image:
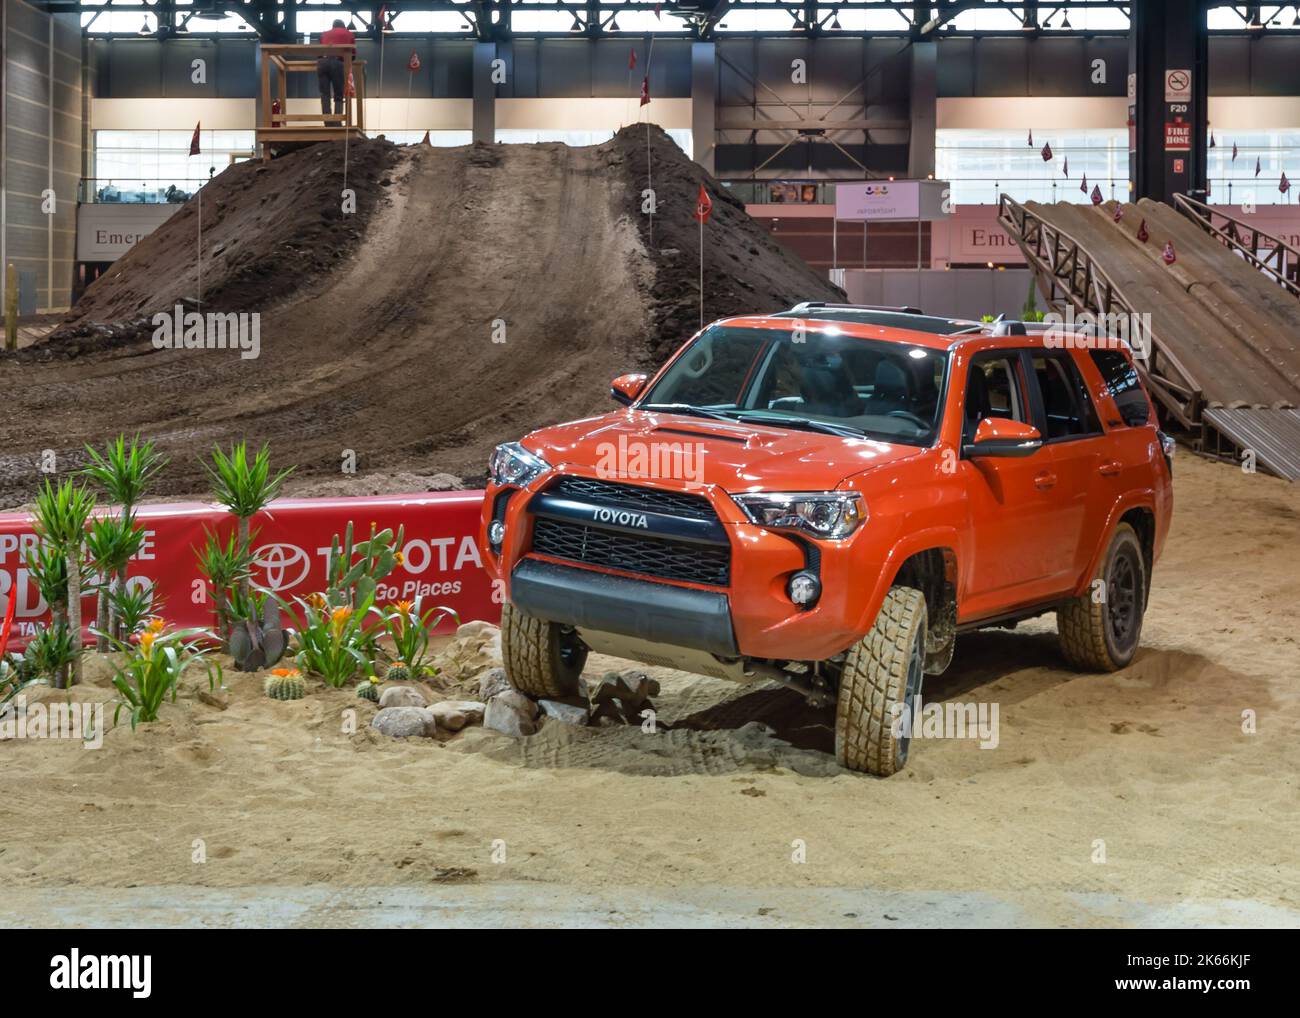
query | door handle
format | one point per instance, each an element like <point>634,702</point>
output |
<point>1044,481</point>
<point>1110,468</point>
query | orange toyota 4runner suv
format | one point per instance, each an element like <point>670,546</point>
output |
<point>826,497</point>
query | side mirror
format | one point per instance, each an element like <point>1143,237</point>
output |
<point>1007,439</point>
<point>625,388</point>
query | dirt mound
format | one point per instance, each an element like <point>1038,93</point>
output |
<point>745,270</point>
<point>477,293</point>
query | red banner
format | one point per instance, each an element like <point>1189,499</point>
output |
<point>291,547</point>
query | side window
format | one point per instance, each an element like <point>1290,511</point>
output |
<point>993,390</point>
<point>1066,402</point>
<point>1121,379</point>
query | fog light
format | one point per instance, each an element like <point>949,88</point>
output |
<point>496,533</point>
<point>804,589</point>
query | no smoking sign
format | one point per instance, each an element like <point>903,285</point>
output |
<point>1178,86</point>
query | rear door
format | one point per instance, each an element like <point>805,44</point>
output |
<point>1075,450</point>
<point>1013,549</point>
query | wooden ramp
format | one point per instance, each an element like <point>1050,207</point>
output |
<point>1223,329</point>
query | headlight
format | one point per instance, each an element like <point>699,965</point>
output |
<point>512,464</point>
<point>829,514</point>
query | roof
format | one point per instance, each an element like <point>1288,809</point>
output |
<point>911,329</point>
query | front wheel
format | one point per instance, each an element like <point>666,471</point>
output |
<point>880,682</point>
<point>1100,629</point>
<point>542,659</point>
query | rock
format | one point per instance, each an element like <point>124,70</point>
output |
<point>405,722</point>
<point>402,696</point>
<point>476,628</point>
<point>622,696</point>
<point>566,712</point>
<point>453,715</point>
<point>511,713</point>
<point>492,682</point>
<point>218,700</point>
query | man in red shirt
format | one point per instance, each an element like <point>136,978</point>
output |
<point>329,70</point>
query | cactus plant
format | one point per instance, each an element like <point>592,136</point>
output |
<point>257,637</point>
<point>369,689</point>
<point>354,570</point>
<point>285,684</point>
<point>397,673</point>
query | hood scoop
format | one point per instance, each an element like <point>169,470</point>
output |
<point>712,435</point>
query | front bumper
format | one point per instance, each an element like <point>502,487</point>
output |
<point>749,616</point>
<point>657,612</point>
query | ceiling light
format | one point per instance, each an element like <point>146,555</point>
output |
<point>613,23</point>
<point>835,22</point>
<point>1065,20</point>
<point>145,29</point>
<point>577,24</point>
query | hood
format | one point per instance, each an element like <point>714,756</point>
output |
<point>737,457</point>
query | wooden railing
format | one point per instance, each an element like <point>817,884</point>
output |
<point>279,124</point>
<point>1280,264</point>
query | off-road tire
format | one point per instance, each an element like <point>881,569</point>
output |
<point>538,659</point>
<point>1093,636</point>
<point>885,668</point>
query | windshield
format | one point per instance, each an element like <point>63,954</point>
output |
<point>827,381</point>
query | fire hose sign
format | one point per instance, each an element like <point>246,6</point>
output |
<point>1178,137</point>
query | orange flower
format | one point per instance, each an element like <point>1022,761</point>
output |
<point>339,618</point>
<point>156,625</point>
<point>146,642</point>
<point>404,607</point>
<point>284,672</point>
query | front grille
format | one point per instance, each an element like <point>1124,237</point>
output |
<point>632,496</point>
<point>633,553</point>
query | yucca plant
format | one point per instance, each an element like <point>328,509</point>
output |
<point>225,565</point>
<point>125,469</point>
<point>48,569</point>
<point>245,487</point>
<point>110,544</point>
<point>408,627</point>
<point>132,607</point>
<point>60,519</point>
<point>151,668</point>
<point>49,653</point>
<point>333,641</point>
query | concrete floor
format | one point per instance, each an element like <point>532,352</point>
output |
<point>545,905</point>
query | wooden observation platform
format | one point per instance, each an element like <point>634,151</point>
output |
<point>279,130</point>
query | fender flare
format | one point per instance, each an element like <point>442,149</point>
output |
<point>946,538</point>
<point>1141,498</point>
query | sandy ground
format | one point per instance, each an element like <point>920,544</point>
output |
<point>702,824</point>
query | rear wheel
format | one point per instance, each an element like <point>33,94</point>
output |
<point>1100,629</point>
<point>881,680</point>
<point>542,659</point>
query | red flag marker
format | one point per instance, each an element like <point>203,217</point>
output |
<point>426,140</point>
<point>631,59</point>
<point>1142,234</point>
<point>1031,137</point>
<point>1119,213</point>
<point>1212,144</point>
<point>194,142</point>
<point>703,207</point>
<point>1047,152</point>
<point>1234,151</point>
<point>1065,166</point>
<point>1096,195</point>
<point>413,64</point>
<point>1257,166</point>
<point>645,91</point>
<point>1083,184</point>
<point>657,6</point>
<point>1168,253</point>
<point>1284,185</point>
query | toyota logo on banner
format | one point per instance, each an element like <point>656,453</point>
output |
<point>286,565</point>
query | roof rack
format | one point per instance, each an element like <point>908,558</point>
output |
<point>809,305</point>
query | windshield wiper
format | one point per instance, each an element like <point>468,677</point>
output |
<point>687,409</point>
<point>807,423</point>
